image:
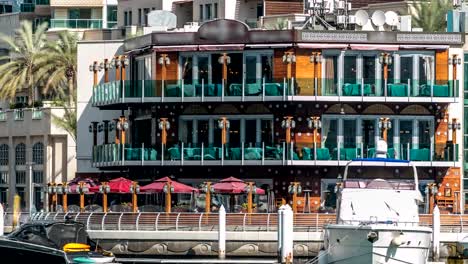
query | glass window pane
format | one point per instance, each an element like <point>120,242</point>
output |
<point>368,133</point>
<point>186,69</point>
<point>349,133</point>
<point>331,75</point>
<point>234,133</point>
<point>406,69</point>
<point>203,132</point>
<point>329,133</point>
<point>266,68</point>
<point>350,69</point>
<point>406,131</point>
<point>424,134</point>
<point>203,69</point>
<point>368,69</point>
<point>250,132</point>
<point>251,69</point>
<point>267,132</point>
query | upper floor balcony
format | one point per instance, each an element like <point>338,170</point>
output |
<point>76,23</point>
<point>266,154</point>
<point>268,89</point>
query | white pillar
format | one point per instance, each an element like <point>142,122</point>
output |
<point>340,136</point>
<point>396,138</point>
<point>258,135</point>
<point>396,68</point>
<point>340,72</point>
<point>436,233</point>
<point>285,234</point>
<point>415,82</point>
<point>2,216</point>
<point>415,135</point>
<point>379,82</point>
<point>222,233</point>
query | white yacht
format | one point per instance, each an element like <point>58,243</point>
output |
<point>377,220</point>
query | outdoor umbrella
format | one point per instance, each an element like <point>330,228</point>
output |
<point>158,186</point>
<point>88,183</point>
<point>118,185</point>
<point>233,185</point>
<point>168,186</point>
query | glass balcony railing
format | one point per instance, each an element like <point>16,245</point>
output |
<point>3,116</point>
<point>111,24</point>
<point>27,7</point>
<point>37,114</point>
<point>42,2</point>
<point>275,89</point>
<point>262,152</point>
<point>76,23</point>
<point>19,114</point>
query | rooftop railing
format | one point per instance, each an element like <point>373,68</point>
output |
<point>140,91</point>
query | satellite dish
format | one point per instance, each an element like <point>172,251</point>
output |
<point>162,18</point>
<point>391,18</point>
<point>361,18</point>
<point>378,18</point>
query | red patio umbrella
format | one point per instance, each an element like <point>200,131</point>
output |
<point>118,185</point>
<point>88,182</point>
<point>158,186</point>
<point>233,185</point>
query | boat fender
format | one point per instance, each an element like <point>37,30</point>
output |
<point>398,241</point>
<point>372,236</point>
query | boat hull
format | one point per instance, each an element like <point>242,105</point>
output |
<point>376,244</point>
<point>12,251</point>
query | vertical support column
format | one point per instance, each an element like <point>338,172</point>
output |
<point>285,240</point>
<point>340,72</point>
<point>222,233</point>
<point>195,131</point>
<point>340,136</point>
<point>258,135</point>
<point>242,130</point>
<point>415,82</point>
<point>379,82</point>
<point>211,130</point>
<point>104,15</point>
<point>415,136</point>
<point>436,233</point>
<point>359,69</point>
<point>12,181</point>
<point>396,138</point>
<point>358,132</point>
<point>396,68</point>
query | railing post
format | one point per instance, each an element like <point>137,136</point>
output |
<point>242,154</point>
<point>143,91</point>
<point>162,90</point>
<point>243,89</point>
<point>142,153</point>
<point>284,152</point>
<point>177,222</point>
<point>162,154</point>
<point>156,222</point>
<point>243,222</point>
<point>88,221</point>
<point>202,90</point>
<point>222,233</point>
<point>202,158</point>
<point>76,216</point>
<point>222,91</point>
<point>182,153</point>
<point>284,89</point>
<point>199,222</point>
<point>263,153</point>
<point>263,89</point>
<point>182,92</point>
<point>120,221</point>
<point>102,222</point>
<point>435,233</point>
<point>222,154</point>
<point>138,222</point>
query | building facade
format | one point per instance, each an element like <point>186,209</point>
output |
<point>206,105</point>
<point>33,152</point>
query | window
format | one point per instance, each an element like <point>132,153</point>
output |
<point>79,13</point>
<point>406,69</point>
<point>3,177</point>
<point>38,177</point>
<point>20,154</point>
<point>201,13</point>
<point>20,177</point>
<point>208,12</point>
<point>126,18</point>
<point>20,192</point>
<point>139,16</point>
<point>38,153</point>
<point>186,69</point>
<point>130,18</point>
<point>215,10</point>
<point>111,15</point>
<point>4,153</point>
<point>145,13</point>
<point>350,69</point>
<point>3,195</point>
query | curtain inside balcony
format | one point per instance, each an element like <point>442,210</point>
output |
<point>331,74</point>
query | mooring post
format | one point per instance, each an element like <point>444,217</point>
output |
<point>436,233</point>
<point>2,218</point>
<point>222,233</point>
<point>285,234</point>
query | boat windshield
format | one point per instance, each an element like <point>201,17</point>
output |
<point>379,184</point>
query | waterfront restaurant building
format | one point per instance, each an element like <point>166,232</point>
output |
<point>274,107</point>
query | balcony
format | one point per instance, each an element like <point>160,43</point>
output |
<point>30,121</point>
<point>141,91</point>
<point>113,155</point>
<point>27,7</point>
<point>76,23</point>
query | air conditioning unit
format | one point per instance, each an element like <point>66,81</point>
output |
<point>340,20</point>
<point>352,20</point>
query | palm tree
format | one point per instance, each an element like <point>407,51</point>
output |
<point>58,65</point>
<point>430,15</point>
<point>20,72</point>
